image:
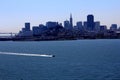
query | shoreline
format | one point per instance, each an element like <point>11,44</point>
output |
<point>62,39</point>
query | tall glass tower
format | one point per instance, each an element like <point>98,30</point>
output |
<point>27,26</point>
<point>71,21</point>
<point>90,22</point>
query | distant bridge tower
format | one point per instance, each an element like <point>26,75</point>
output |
<point>6,35</point>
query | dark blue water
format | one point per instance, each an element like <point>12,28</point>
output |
<point>75,60</point>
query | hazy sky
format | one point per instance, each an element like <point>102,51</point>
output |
<point>14,13</point>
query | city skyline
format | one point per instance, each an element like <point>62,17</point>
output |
<point>53,30</point>
<point>14,13</point>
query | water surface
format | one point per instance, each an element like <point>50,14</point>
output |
<point>75,60</point>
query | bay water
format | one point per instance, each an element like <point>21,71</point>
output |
<point>74,60</point>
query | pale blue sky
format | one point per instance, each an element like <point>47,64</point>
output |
<point>14,13</point>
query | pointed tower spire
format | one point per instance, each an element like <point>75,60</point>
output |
<point>71,21</point>
<point>70,15</point>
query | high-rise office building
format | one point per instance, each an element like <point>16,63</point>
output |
<point>66,24</point>
<point>97,26</point>
<point>36,30</point>
<point>71,21</point>
<point>51,24</point>
<point>26,32</point>
<point>79,26</point>
<point>42,28</point>
<point>103,28</point>
<point>85,26</point>
<point>113,27</point>
<point>27,26</point>
<point>90,23</point>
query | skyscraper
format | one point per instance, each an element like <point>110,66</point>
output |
<point>79,26</point>
<point>90,23</point>
<point>36,30</point>
<point>113,27</point>
<point>85,26</point>
<point>26,32</point>
<point>27,26</point>
<point>71,21</point>
<point>66,24</point>
<point>97,26</point>
<point>51,24</point>
<point>103,28</point>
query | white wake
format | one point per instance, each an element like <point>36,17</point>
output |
<point>25,54</point>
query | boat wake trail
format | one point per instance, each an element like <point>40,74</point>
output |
<point>25,54</point>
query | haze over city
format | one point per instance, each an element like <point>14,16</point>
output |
<point>15,12</point>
